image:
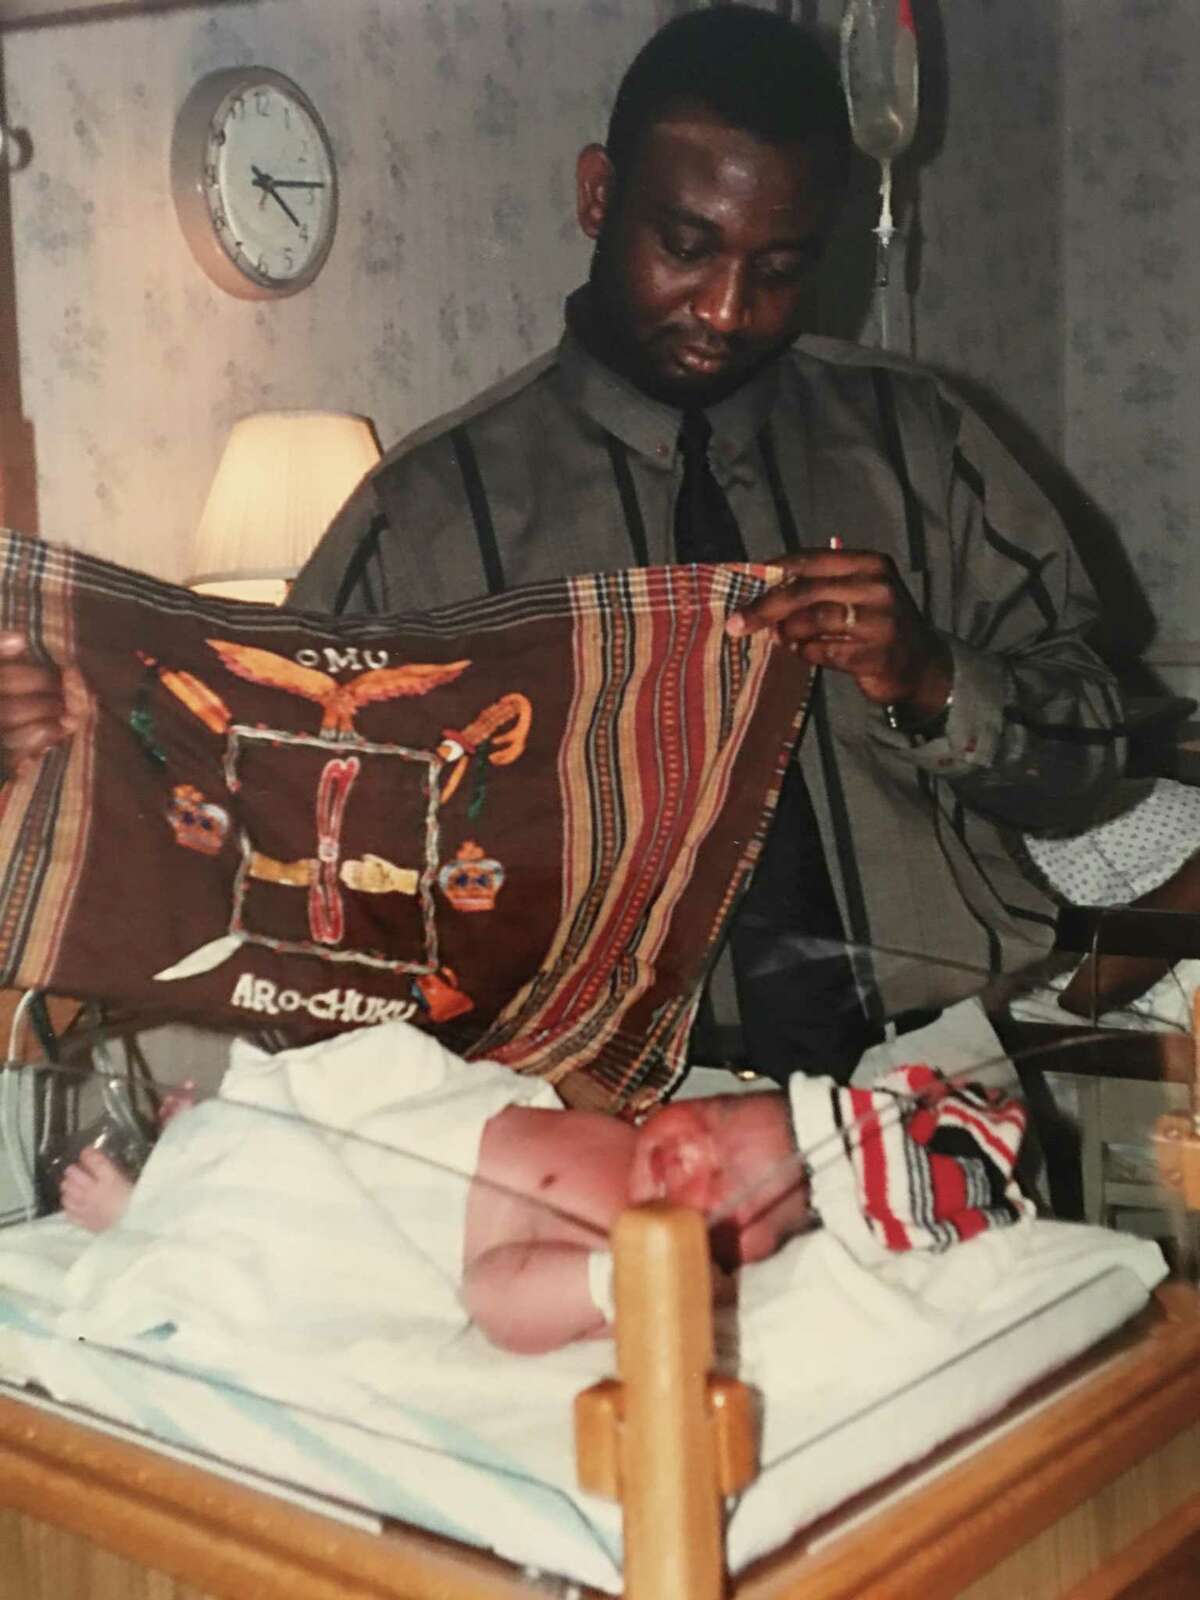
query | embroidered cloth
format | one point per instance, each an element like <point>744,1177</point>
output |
<point>520,821</point>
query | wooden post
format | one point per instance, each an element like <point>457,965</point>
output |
<point>1177,1134</point>
<point>18,471</point>
<point>668,1438</point>
<point>18,468</point>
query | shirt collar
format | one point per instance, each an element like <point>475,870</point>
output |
<point>648,426</point>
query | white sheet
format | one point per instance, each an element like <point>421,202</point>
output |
<point>400,1407</point>
<point>324,1191</point>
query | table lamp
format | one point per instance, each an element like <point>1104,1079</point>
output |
<point>282,478</point>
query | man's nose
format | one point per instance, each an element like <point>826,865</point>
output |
<point>722,302</point>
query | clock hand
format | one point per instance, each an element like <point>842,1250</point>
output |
<point>297,183</point>
<point>283,206</point>
<point>264,181</point>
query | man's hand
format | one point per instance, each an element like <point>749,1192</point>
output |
<point>39,706</point>
<point>848,610</point>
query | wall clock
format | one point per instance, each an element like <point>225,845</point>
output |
<point>254,182</point>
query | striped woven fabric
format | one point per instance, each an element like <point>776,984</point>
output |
<point>520,821</point>
<point>930,1160</point>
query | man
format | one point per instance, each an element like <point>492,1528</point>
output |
<point>924,573</point>
<point>957,698</point>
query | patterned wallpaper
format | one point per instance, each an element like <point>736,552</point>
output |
<point>987,268</point>
<point>456,126</point>
<point>1056,275</point>
<point>1051,265</point>
<point>1131,285</point>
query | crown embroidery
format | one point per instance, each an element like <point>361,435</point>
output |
<point>471,881</point>
<point>196,822</point>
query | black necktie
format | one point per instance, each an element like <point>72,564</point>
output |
<point>705,527</point>
<point>795,987</point>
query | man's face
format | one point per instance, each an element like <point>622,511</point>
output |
<point>703,252</point>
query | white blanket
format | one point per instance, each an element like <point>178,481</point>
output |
<point>342,1363</point>
<point>323,1193</point>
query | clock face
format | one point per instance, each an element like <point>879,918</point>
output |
<point>255,182</point>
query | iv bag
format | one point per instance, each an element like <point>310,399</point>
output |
<point>879,75</point>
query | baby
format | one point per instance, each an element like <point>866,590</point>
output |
<point>500,1199</point>
<point>548,1187</point>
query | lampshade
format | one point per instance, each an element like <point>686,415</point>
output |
<point>283,476</point>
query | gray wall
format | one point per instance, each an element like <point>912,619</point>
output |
<point>1053,260</point>
<point>1131,288</point>
<point>456,124</point>
<point>1059,273</point>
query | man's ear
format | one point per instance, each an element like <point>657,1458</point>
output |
<point>594,179</point>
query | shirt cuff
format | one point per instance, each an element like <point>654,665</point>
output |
<point>974,721</point>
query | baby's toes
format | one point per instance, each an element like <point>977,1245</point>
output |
<point>96,1164</point>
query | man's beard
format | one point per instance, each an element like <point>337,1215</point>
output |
<point>605,331</point>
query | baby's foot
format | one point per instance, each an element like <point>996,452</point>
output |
<point>175,1101</point>
<point>94,1191</point>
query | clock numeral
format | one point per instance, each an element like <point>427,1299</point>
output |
<point>310,197</point>
<point>264,266</point>
<point>237,108</point>
<point>262,102</point>
<point>289,260</point>
<point>304,149</point>
<point>304,232</point>
<point>287,115</point>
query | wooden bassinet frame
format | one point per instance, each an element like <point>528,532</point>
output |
<point>1089,1481</point>
<point>1097,1481</point>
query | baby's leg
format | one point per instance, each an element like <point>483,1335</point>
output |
<point>94,1191</point>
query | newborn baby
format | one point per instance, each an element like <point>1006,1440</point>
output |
<point>547,1188</point>
<point>502,1199</point>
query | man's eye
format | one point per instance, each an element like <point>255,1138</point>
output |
<point>789,268</point>
<point>784,269</point>
<point>684,247</point>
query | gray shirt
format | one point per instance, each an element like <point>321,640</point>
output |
<point>566,468</point>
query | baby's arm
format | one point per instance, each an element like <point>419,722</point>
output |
<point>533,1295</point>
<point>546,1192</point>
<point>1106,981</point>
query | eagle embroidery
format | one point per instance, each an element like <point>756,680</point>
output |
<point>497,737</point>
<point>339,702</point>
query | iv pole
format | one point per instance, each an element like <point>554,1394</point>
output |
<point>880,80</point>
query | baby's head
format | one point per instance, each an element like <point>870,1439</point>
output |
<point>726,1156</point>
